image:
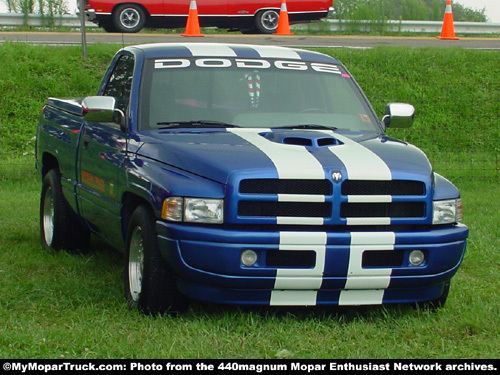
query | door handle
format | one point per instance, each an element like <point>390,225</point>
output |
<point>86,141</point>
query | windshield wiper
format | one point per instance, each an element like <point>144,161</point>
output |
<point>306,126</point>
<point>195,124</point>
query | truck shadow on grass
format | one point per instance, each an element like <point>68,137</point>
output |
<point>336,313</point>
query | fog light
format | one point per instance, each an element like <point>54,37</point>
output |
<point>248,258</point>
<point>417,257</point>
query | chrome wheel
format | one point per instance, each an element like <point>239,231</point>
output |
<point>267,21</point>
<point>130,18</point>
<point>60,227</point>
<point>149,284</point>
<point>48,216</point>
<point>136,264</point>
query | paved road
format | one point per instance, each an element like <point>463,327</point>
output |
<point>295,40</point>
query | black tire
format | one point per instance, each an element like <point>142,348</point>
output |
<point>60,228</point>
<point>438,302</point>
<point>129,18</point>
<point>149,286</point>
<point>266,21</point>
<point>108,26</point>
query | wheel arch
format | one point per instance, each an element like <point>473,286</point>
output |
<point>130,201</point>
<point>148,15</point>
<point>266,8</point>
<point>49,161</point>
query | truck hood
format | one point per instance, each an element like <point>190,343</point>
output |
<point>221,154</point>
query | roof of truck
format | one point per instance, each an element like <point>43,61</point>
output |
<point>159,50</point>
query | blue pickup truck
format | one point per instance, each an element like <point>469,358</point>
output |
<point>246,174</point>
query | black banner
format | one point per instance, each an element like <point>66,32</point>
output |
<point>232,366</point>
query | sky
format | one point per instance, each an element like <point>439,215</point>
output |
<point>492,7</point>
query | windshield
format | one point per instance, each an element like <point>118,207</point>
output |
<point>251,93</point>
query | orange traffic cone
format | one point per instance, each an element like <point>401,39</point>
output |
<point>448,30</point>
<point>283,24</point>
<point>192,26</point>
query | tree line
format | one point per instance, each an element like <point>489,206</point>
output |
<point>406,10</point>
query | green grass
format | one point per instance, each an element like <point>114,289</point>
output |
<point>60,305</point>
<point>455,92</point>
<point>57,305</point>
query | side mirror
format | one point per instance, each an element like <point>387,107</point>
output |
<point>398,115</point>
<point>103,109</point>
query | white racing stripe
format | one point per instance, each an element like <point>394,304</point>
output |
<point>366,286</point>
<point>368,221</point>
<point>292,162</point>
<point>218,50</point>
<point>300,198</point>
<point>276,52</point>
<point>360,162</point>
<point>369,198</point>
<point>288,220</point>
<point>214,50</point>
<point>300,286</point>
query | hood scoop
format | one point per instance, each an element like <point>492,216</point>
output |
<point>301,138</point>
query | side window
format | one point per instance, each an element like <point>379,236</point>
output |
<point>120,81</point>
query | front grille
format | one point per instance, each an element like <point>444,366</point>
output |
<point>285,186</point>
<point>394,209</point>
<point>395,187</point>
<point>312,202</point>
<point>291,258</point>
<point>285,209</point>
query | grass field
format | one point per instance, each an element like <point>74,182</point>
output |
<point>58,305</point>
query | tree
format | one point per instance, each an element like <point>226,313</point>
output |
<point>416,10</point>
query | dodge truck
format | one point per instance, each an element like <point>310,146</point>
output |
<point>242,174</point>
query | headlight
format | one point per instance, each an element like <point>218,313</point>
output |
<point>447,211</point>
<point>193,210</point>
<point>199,210</point>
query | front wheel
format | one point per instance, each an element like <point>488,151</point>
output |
<point>438,302</point>
<point>149,285</point>
<point>129,18</point>
<point>108,26</point>
<point>266,21</point>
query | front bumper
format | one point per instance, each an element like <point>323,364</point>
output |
<point>90,14</point>
<point>347,268</point>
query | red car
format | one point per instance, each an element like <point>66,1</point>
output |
<point>259,16</point>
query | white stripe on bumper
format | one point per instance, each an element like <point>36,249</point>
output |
<point>366,286</point>
<point>299,286</point>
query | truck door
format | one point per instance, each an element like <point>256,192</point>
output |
<point>101,158</point>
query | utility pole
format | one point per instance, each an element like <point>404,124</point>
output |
<point>82,28</point>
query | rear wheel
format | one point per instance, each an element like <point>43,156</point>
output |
<point>129,18</point>
<point>266,21</point>
<point>149,285</point>
<point>60,228</point>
